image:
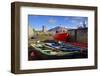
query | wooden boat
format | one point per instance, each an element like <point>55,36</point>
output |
<point>47,52</point>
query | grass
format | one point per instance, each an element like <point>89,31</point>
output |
<point>41,36</point>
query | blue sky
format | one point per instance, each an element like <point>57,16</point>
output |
<point>37,21</point>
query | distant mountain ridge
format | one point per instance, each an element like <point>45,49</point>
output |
<point>57,28</point>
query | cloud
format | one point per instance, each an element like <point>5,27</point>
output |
<point>75,18</point>
<point>72,27</point>
<point>66,18</point>
<point>73,21</point>
<point>52,21</point>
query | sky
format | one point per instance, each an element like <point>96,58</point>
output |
<point>37,21</point>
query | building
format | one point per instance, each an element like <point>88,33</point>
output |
<point>44,29</point>
<point>79,35</point>
<point>30,32</point>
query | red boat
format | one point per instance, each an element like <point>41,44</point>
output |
<point>62,37</point>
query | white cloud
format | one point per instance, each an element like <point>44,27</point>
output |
<point>52,21</point>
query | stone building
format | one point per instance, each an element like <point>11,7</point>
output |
<point>30,32</point>
<point>79,35</point>
<point>44,29</point>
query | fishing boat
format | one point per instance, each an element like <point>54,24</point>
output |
<point>56,51</point>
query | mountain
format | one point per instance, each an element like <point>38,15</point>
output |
<point>58,28</point>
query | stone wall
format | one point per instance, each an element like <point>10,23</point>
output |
<point>79,35</point>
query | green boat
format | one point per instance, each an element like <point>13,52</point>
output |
<point>47,52</point>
